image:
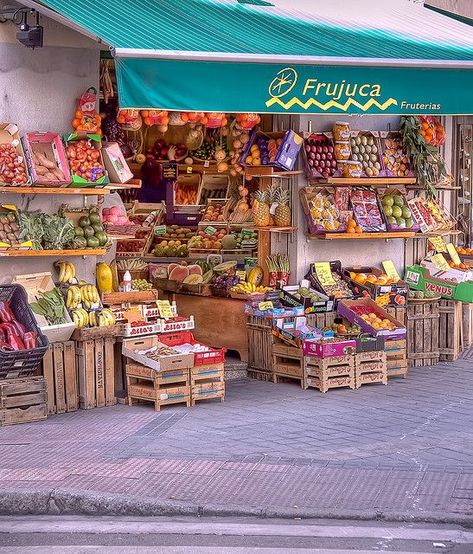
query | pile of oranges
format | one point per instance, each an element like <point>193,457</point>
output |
<point>363,278</point>
<point>353,228</point>
<point>461,266</point>
<point>465,251</point>
<point>377,323</point>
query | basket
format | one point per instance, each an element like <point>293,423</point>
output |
<point>21,363</point>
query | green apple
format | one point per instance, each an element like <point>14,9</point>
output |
<point>401,222</point>
<point>397,211</point>
<point>406,213</point>
<point>409,223</point>
<point>392,220</point>
<point>399,200</point>
<point>388,211</point>
<point>388,201</point>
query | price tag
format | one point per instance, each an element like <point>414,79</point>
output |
<point>264,306</point>
<point>207,163</point>
<point>438,243</point>
<point>241,274</point>
<point>189,169</point>
<point>324,273</point>
<point>164,309</point>
<point>133,316</point>
<point>170,170</point>
<point>160,230</point>
<point>247,233</point>
<point>440,262</point>
<point>390,270</point>
<point>210,230</point>
<point>453,253</point>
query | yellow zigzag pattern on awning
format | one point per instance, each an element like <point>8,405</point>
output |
<point>331,104</point>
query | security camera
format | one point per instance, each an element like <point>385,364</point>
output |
<point>31,37</point>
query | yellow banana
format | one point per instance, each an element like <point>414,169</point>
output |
<point>72,269</point>
<point>62,272</point>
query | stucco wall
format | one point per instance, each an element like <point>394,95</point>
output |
<point>38,89</point>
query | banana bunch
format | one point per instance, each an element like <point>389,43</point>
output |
<point>67,272</point>
<point>248,288</point>
<point>89,295</point>
<point>73,297</point>
<point>105,318</point>
<point>81,317</point>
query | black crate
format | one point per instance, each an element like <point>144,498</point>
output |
<point>21,363</point>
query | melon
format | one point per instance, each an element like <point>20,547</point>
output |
<point>172,266</point>
<point>178,273</point>
<point>194,269</point>
<point>193,279</point>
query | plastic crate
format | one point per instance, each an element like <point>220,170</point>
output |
<point>21,363</point>
<point>211,356</point>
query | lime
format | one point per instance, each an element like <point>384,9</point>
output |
<point>397,211</point>
<point>388,201</point>
<point>93,242</point>
<point>84,221</point>
<point>88,232</point>
<point>388,211</point>
<point>79,231</point>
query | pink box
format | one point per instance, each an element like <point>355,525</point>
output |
<point>329,349</point>
<point>51,147</point>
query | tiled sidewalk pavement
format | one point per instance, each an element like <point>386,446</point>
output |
<point>405,448</point>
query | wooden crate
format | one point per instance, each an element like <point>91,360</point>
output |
<point>207,372</point>
<point>96,370</point>
<point>399,314</point>
<point>370,356</point>
<point>60,372</point>
<point>288,367</point>
<point>159,387</point>
<point>206,390</point>
<point>450,329</point>
<point>329,367</point>
<point>423,333</point>
<point>23,400</point>
<point>259,375</point>
<point>324,385</point>
<point>396,357</point>
<point>260,343</point>
<point>467,326</point>
<point>320,320</point>
<point>371,377</point>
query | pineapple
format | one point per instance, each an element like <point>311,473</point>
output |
<point>282,215</point>
<point>262,216</point>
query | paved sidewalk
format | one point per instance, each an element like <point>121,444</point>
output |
<point>399,451</point>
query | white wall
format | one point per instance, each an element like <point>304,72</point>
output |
<point>38,89</point>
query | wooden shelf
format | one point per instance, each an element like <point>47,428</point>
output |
<point>273,229</point>
<point>364,236</point>
<point>452,233</point>
<point>69,191</point>
<point>52,253</point>
<point>438,187</point>
<point>131,184</point>
<point>372,181</point>
<point>264,171</point>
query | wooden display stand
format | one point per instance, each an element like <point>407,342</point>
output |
<point>423,333</point>
<point>288,363</point>
<point>219,322</point>
<point>450,329</point>
<point>370,367</point>
<point>260,345</point>
<point>60,372</point>
<point>467,326</point>
<point>96,369</point>
<point>23,400</point>
<point>160,387</point>
<point>396,358</point>
<point>329,373</point>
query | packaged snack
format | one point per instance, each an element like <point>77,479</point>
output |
<point>366,210</point>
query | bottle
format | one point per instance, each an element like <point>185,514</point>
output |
<point>127,281</point>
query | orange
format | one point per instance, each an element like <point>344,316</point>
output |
<point>79,114</point>
<point>351,230</point>
<point>358,229</point>
<point>76,123</point>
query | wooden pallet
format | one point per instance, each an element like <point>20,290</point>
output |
<point>423,333</point>
<point>96,369</point>
<point>60,372</point>
<point>23,400</point>
<point>396,358</point>
<point>146,384</point>
<point>450,329</point>
<point>259,375</point>
<point>324,385</point>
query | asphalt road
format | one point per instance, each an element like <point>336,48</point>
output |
<point>104,535</point>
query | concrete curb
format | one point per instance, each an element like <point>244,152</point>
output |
<point>61,502</point>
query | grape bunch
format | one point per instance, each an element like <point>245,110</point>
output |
<point>226,282</point>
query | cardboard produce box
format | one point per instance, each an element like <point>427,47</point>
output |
<point>9,134</point>
<point>286,155</point>
<point>79,181</point>
<point>46,149</point>
<point>43,282</point>
<point>393,295</point>
<point>420,278</point>
<point>115,163</point>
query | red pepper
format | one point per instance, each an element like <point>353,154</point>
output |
<point>12,338</point>
<point>5,346</point>
<point>6,315</point>
<point>19,328</point>
<point>30,339</point>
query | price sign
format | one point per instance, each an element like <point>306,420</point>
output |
<point>390,270</point>
<point>164,309</point>
<point>241,274</point>
<point>160,230</point>
<point>170,171</point>
<point>324,273</point>
<point>210,230</point>
<point>133,316</point>
<point>264,306</point>
<point>189,169</point>
<point>440,262</point>
<point>438,243</point>
<point>453,253</point>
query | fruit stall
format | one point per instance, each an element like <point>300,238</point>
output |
<point>206,228</point>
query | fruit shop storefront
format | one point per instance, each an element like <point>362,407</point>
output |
<point>235,193</point>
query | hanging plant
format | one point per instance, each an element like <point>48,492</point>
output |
<point>425,158</point>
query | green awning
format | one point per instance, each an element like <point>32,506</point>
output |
<point>298,56</point>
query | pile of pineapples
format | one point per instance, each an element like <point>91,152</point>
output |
<point>264,199</point>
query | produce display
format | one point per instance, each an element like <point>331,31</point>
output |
<point>186,192</point>
<point>115,216</point>
<point>210,238</point>
<point>397,212</point>
<point>374,320</point>
<point>9,228</point>
<point>246,289</point>
<point>131,246</point>
<point>170,248</point>
<point>47,170</point>
<point>12,167</point>
<point>46,232</point>
<point>432,130</point>
<point>263,151</point>
<point>395,160</point>
<point>214,212</point>
<point>428,214</point>
<point>141,284</point>
<point>89,231</point>
<point>324,215</point>
<point>161,151</point>
<point>365,149</point>
<point>85,159</point>
<point>13,334</point>
<point>214,148</point>
<point>50,305</point>
<point>366,210</point>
